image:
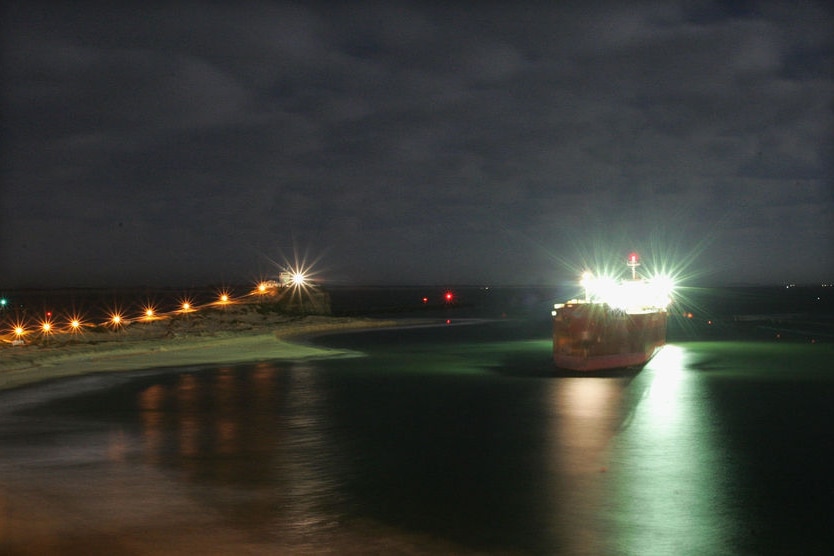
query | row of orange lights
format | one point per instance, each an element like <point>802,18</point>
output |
<point>116,319</point>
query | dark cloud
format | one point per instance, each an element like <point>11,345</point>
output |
<point>411,142</point>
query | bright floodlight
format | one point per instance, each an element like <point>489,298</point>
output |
<point>662,285</point>
<point>298,279</point>
<point>587,282</point>
<point>629,295</point>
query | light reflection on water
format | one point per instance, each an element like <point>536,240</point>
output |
<point>587,413</point>
<point>265,432</point>
<point>669,480</point>
<point>453,451</point>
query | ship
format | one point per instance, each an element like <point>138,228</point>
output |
<point>618,324</point>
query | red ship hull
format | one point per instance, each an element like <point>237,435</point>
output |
<point>595,337</point>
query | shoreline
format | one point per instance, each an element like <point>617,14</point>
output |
<point>176,344</point>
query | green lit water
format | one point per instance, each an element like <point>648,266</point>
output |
<point>445,439</point>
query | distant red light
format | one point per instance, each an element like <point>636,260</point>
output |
<point>633,258</point>
<point>449,297</point>
<point>425,300</point>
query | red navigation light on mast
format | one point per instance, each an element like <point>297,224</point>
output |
<point>633,263</point>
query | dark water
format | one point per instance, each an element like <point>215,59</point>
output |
<point>454,438</point>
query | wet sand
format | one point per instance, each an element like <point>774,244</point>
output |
<point>139,510</point>
<point>236,336</point>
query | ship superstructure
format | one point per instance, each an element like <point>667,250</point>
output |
<point>618,323</point>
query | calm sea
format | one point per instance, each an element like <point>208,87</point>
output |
<point>452,437</point>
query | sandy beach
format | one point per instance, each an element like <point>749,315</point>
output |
<point>230,336</point>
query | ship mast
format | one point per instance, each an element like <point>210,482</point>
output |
<point>633,263</point>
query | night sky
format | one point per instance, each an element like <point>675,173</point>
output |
<point>415,143</point>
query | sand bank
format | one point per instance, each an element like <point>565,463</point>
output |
<point>222,338</point>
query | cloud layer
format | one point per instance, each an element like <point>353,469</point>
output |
<point>413,143</point>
